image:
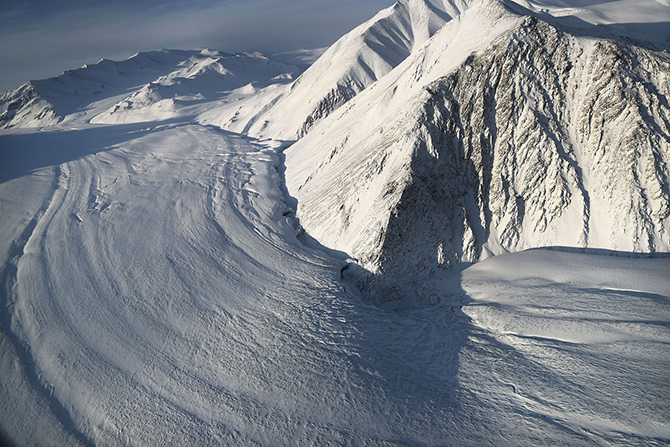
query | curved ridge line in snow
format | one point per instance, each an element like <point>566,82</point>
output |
<point>8,280</point>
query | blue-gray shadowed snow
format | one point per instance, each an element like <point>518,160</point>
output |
<point>161,284</point>
<point>155,292</point>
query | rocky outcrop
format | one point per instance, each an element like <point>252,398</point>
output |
<point>23,107</point>
<point>332,101</point>
<point>541,139</point>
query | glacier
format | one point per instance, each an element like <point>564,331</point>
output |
<point>450,229</point>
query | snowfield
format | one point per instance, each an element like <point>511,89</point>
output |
<point>163,279</point>
<point>154,292</point>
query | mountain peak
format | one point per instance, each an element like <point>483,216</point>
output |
<point>486,144</point>
<point>349,66</point>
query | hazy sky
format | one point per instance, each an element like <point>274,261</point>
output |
<point>41,38</point>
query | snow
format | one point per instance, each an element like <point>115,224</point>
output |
<point>302,58</point>
<point>490,141</point>
<point>148,86</point>
<point>645,20</point>
<point>157,287</point>
<point>355,61</point>
<point>573,313</point>
<point>161,296</point>
<point>375,48</point>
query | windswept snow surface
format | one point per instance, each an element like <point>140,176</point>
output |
<point>154,293</point>
<point>156,287</point>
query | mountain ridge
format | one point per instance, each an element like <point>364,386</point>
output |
<point>504,154</point>
<point>349,66</point>
<point>99,91</point>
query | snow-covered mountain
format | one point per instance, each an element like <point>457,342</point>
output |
<point>203,77</point>
<point>506,131</point>
<point>355,61</point>
<point>144,87</point>
<point>160,284</point>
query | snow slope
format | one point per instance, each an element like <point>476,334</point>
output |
<point>154,292</point>
<point>203,78</point>
<point>373,49</point>
<point>355,61</point>
<point>560,317</point>
<point>145,87</point>
<point>518,135</point>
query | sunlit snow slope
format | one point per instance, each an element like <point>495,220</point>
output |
<point>355,61</point>
<point>156,287</point>
<point>504,132</point>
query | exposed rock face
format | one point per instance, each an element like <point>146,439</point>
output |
<point>541,139</point>
<point>334,99</point>
<point>23,106</point>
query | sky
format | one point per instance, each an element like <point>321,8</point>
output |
<point>42,38</point>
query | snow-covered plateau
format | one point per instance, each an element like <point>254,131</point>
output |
<point>453,228</point>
